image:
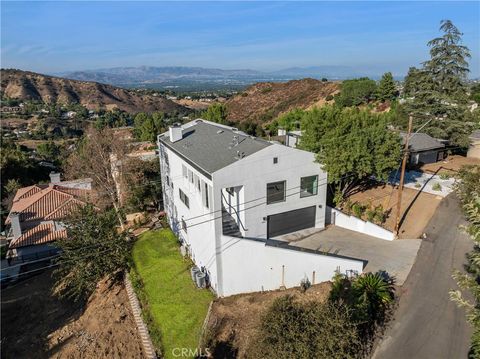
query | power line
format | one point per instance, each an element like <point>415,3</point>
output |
<point>67,260</point>
<point>245,209</point>
<point>49,257</point>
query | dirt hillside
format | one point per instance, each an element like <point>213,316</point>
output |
<point>27,85</point>
<point>36,324</point>
<point>264,101</point>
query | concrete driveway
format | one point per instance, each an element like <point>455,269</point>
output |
<point>395,257</point>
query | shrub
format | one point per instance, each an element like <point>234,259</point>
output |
<point>358,210</point>
<point>329,98</point>
<point>417,185</point>
<point>347,206</point>
<point>369,297</point>
<point>290,329</point>
<point>266,90</point>
<point>305,284</point>
<point>436,186</point>
<point>338,199</point>
<point>380,215</point>
<point>444,176</point>
<point>370,214</point>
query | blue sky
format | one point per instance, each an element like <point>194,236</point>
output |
<point>370,36</point>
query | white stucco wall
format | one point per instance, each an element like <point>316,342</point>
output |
<point>340,219</point>
<point>200,234</point>
<point>255,171</point>
<point>250,176</point>
<point>251,266</point>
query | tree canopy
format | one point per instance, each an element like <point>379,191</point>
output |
<point>216,112</point>
<point>437,91</point>
<point>387,91</point>
<point>351,144</point>
<point>148,126</point>
<point>356,92</point>
<point>95,249</point>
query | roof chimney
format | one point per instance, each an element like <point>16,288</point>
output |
<point>176,132</point>
<point>15,224</point>
<point>55,178</point>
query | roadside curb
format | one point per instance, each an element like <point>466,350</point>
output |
<point>137,314</point>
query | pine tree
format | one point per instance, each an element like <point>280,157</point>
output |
<point>387,90</point>
<point>448,64</point>
<point>437,91</point>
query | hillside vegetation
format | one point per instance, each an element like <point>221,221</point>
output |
<point>265,101</point>
<point>25,85</point>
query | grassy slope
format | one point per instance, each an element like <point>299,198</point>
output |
<point>177,308</point>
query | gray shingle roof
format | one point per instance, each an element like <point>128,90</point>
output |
<point>422,142</point>
<point>210,147</point>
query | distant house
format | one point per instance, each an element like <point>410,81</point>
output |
<point>424,148</point>
<point>289,138</point>
<point>474,148</point>
<point>35,218</point>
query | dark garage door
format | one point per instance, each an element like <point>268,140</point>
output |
<point>290,221</point>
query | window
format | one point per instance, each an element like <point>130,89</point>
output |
<point>167,180</point>
<point>308,186</point>
<point>190,176</point>
<point>184,171</point>
<point>184,198</point>
<point>206,196</point>
<point>184,225</point>
<point>276,192</point>
<point>197,182</point>
<point>275,160</point>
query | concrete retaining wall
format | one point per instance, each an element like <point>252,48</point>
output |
<point>340,219</point>
<point>251,265</point>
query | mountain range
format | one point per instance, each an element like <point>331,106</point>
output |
<point>26,85</point>
<point>145,75</point>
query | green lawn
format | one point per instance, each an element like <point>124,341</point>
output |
<point>176,308</point>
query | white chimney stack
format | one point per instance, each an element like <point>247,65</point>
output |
<point>15,224</point>
<point>176,133</point>
<point>55,178</point>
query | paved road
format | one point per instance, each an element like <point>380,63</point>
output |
<point>427,324</point>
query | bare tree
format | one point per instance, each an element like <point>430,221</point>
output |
<point>98,156</point>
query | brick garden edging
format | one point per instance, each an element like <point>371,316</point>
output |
<point>137,314</point>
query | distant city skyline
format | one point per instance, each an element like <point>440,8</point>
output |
<point>370,37</point>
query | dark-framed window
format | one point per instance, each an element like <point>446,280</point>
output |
<point>308,186</point>
<point>276,192</point>
<point>184,198</point>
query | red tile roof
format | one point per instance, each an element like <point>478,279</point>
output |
<point>41,234</point>
<point>40,203</point>
<point>35,203</point>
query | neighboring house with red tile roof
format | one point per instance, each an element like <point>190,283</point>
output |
<point>37,212</point>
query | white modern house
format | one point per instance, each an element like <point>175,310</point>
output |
<point>229,197</point>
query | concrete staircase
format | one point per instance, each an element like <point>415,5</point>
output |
<point>230,227</point>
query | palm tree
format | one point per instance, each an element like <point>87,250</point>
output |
<point>373,293</point>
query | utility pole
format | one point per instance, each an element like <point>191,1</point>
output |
<point>402,175</point>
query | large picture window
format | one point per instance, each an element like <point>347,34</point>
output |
<point>276,192</point>
<point>308,186</point>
